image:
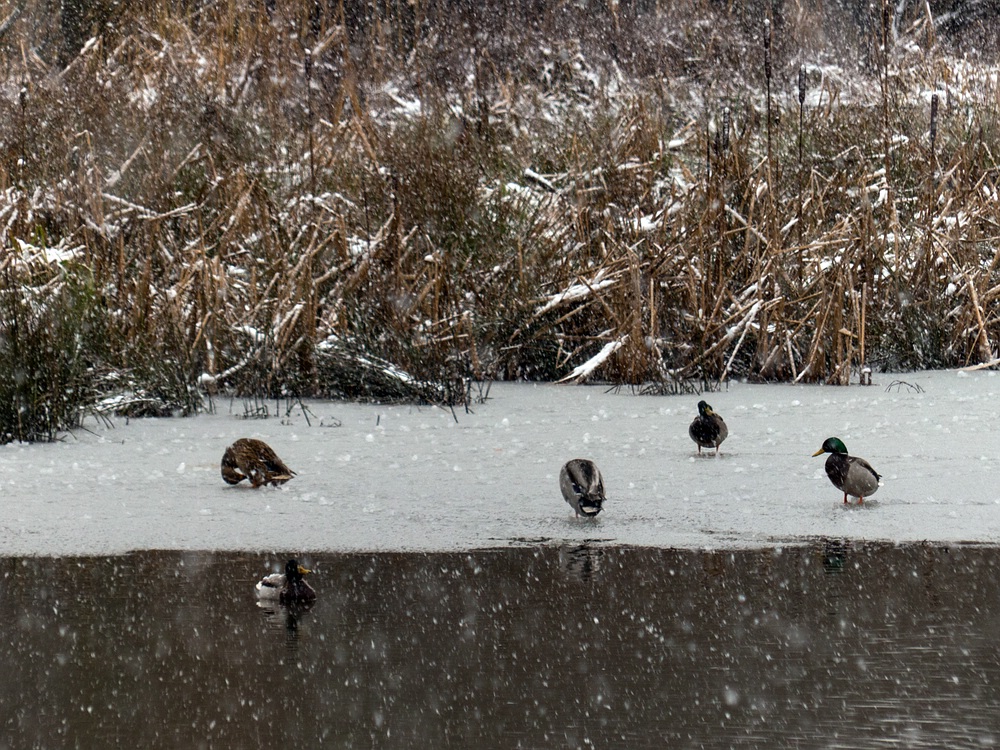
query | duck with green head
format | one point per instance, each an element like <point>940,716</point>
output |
<point>851,475</point>
<point>288,587</point>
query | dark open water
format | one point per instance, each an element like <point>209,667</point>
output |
<point>827,646</point>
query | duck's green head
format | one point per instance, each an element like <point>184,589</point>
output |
<point>832,445</point>
<point>704,409</point>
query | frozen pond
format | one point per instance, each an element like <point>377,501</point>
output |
<point>727,601</point>
<point>400,478</point>
<point>812,646</point>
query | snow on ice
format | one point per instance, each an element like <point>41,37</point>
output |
<point>416,478</point>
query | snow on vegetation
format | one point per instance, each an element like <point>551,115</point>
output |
<point>576,292</point>
<point>483,196</point>
<point>28,255</point>
<point>583,371</point>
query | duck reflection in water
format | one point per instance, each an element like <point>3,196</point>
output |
<point>834,555</point>
<point>285,617</point>
<point>581,562</point>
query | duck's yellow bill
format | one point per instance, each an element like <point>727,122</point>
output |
<point>817,453</point>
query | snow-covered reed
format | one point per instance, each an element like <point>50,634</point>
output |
<point>488,191</point>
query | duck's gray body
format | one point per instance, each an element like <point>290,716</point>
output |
<point>850,474</point>
<point>582,486</point>
<point>708,429</point>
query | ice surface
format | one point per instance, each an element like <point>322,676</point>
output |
<point>408,478</point>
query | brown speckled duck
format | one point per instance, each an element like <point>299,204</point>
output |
<point>851,475</point>
<point>253,459</point>
<point>708,429</point>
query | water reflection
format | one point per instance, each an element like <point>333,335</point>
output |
<point>835,555</point>
<point>581,561</point>
<point>834,645</point>
<point>285,618</point>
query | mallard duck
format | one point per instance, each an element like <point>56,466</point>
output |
<point>851,475</point>
<point>582,487</point>
<point>288,587</point>
<point>253,459</point>
<point>708,429</point>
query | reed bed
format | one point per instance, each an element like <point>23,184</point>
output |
<point>372,200</point>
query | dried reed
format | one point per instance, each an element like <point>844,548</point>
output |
<point>373,201</point>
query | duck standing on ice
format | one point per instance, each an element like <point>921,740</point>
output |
<point>582,487</point>
<point>708,429</point>
<point>851,475</point>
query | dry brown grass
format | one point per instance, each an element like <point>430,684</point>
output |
<point>357,203</point>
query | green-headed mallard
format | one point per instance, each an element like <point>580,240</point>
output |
<point>851,475</point>
<point>253,459</point>
<point>288,587</point>
<point>582,486</point>
<point>708,429</point>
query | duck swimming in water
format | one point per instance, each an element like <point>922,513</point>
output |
<point>582,487</point>
<point>249,458</point>
<point>851,475</point>
<point>708,429</point>
<point>288,587</point>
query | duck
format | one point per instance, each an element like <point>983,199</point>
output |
<point>249,458</point>
<point>708,429</point>
<point>850,474</point>
<point>288,587</point>
<point>582,487</point>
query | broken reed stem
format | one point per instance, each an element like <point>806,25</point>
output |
<point>984,350</point>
